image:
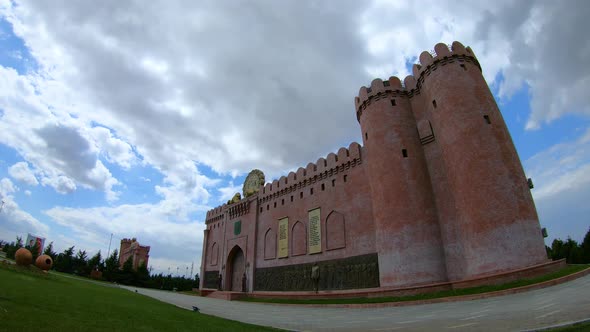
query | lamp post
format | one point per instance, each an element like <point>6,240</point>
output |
<point>109,251</point>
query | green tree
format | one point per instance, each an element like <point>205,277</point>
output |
<point>64,262</point>
<point>111,267</point>
<point>585,248</point>
<point>556,249</point>
<point>49,251</point>
<point>81,263</point>
<point>95,262</point>
<point>127,276</point>
<point>570,250</point>
<point>13,247</point>
<point>142,275</point>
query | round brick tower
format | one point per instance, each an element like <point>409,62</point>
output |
<point>406,228</point>
<point>493,225</point>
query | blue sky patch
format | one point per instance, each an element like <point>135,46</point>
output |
<point>14,53</point>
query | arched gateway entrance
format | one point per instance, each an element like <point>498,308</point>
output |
<point>236,264</point>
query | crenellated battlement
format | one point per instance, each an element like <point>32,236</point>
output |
<point>313,172</point>
<point>215,214</point>
<point>429,61</point>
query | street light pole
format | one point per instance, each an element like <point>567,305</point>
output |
<point>109,252</point>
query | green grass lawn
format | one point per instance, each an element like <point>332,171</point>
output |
<point>33,301</point>
<point>447,293</point>
<point>578,327</point>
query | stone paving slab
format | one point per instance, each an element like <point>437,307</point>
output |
<point>539,308</point>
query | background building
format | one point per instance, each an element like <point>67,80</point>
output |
<point>138,253</point>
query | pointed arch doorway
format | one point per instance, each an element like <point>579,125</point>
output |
<point>236,263</point>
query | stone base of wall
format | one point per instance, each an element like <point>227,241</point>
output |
<point>211,279</point>
<point>206,292</point>
<point>355,272</point>
<point>505,277</point>
<point>223,295</point>
<point>492,279</point>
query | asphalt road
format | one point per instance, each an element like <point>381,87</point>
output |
<point>550,306</point>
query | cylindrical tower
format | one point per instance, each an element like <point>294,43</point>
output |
<point>493,225</point>
<point>406,228</point>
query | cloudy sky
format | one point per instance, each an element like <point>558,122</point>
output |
<point>136,117</point>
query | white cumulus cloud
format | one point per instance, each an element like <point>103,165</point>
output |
<point>561,175</point>
<point>14,221</point>
<point>21,172</point>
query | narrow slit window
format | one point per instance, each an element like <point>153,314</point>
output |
<point>275,205</point>
<point>463,66</point>
<point>345,176</point>
<point>301,194</point>
<point>283,201</point>
<point>434,103</point>
<point>323,187</point>
<point>291,198</point>
<point>393,102</point>
<point>261,209</point>
<point>334,183</point>
<point>487,118</point>
<point>405,153</point>
<point>311,191</point>
<point>366,136</point>
<point>267,207</point>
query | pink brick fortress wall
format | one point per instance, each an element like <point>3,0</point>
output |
<point>351,199</point>
<point>494,226</point>
<point>457,207</point>
<point>408,236</point>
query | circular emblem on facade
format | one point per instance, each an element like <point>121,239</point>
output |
<point>253,181</point>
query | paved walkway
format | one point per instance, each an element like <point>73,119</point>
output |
<point>563,303</point>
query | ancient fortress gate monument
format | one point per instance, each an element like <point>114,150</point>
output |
<point>436,194</point>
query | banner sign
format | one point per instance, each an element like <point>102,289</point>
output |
<point>32,240</point>
<point>283,238</point>
<point>315,232</point>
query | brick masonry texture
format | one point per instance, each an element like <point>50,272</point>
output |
<point>131,248</point>
<point>437,190</point>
